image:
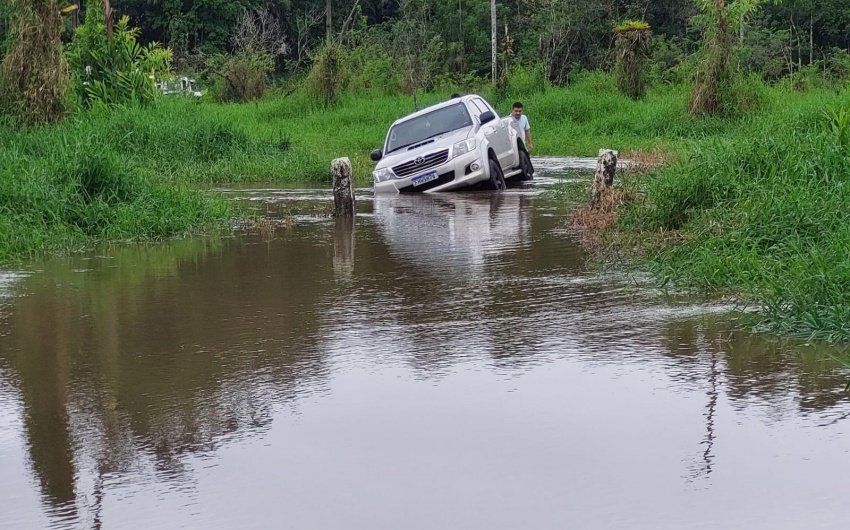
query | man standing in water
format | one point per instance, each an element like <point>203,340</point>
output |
<point>522,124</point>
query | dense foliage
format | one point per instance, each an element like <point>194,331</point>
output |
<point>117,69</point>
<point>560,35</point>
<point>773,39</point>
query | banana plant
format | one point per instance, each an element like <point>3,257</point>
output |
<point>115,70</point>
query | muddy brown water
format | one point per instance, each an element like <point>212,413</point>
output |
<point>448,361</point>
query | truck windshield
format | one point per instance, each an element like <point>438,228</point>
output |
<point>421,128</point>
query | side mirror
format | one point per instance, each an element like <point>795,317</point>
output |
<point>376,155</point>
<point>487,117</point>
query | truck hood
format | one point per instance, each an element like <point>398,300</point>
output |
<point>443,141</point>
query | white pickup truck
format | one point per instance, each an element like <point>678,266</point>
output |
<point>460,143</point>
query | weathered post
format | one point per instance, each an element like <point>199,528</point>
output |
<point>343,187</point>
<point>603,179</point>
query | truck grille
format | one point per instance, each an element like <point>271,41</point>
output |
<point>421,163</point>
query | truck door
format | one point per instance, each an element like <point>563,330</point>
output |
<point>501,140</point>
<point>489,130</point>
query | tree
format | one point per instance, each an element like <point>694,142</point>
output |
<point>34,72</point>
<point>493,39</point>
<point>412,37</point>
<point>328,20</point>
<point>569,33</point>
<point>632,40</point>
<point>715,71</point>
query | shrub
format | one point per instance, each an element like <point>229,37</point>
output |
<point>241,76</point>
<point>525,81</point>
<point>114,70</point>
<point>837,65</point>
<point>328,76</point>
<point>375,73</point>
<point>632,41</point>
<point>668,60</point>
<point>34,74</point>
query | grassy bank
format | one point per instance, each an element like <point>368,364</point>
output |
<point>100,177</point>
<point>761,213</point>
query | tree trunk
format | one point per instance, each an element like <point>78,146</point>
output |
<point>343,183</point>
<point>811,39</point>
<point>506,67</point>
<point>741,32</point>
<point>791,47</point>
<point>493,39</point>
<point>107,17</point>
<point>328,20</point>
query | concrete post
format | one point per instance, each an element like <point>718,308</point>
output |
<point>603,179</point>
<point>343,183</point>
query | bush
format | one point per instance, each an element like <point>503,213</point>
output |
<point>744,95</point>
<point>668,61</point>
<point>763,53</point>
<point>525,81</point>
<point>837,66</point>
<point>240,76</point>
<point>328,76</point>
<point>632,41</point>
<point>117,70</point>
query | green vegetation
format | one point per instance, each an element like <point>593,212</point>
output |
<point>116,69</point>
<point>632,40</point>
<point>761,214</point>
<point>105,177</point>
<point>34,73</point>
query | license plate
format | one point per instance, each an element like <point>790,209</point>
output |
<point>422,179</point>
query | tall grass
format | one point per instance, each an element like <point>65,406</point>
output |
<point>103,176</point>
<point>763,214</point>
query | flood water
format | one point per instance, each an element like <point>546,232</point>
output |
<point>447,361</point>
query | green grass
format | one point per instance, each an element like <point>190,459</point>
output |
<point>101,177</point>
<point>763,214</point>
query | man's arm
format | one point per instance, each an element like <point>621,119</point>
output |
<point>528,138</point>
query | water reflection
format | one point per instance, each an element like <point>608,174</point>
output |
<point>343,263</point>
<point>456,348</point>
<point>438,234</point>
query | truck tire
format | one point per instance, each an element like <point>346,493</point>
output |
<point>497,177</point>
<point>525,164</point>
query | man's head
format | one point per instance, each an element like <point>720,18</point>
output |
<point>516,112</point>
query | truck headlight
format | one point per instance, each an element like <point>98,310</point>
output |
<point>466,146</point>
<point>382,174</point>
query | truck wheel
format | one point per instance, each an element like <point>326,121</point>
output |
<point>525,164</point>
<point>497,178</point>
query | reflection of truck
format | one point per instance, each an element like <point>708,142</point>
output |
<point>439,233</point>
<point>455,144</point>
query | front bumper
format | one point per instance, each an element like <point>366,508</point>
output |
<point>453,174</point>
